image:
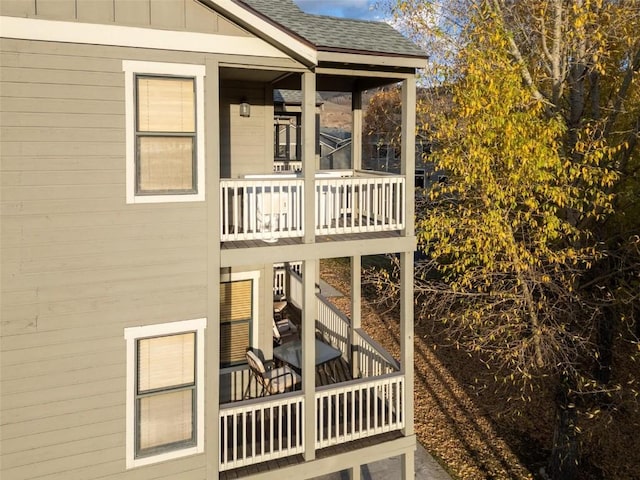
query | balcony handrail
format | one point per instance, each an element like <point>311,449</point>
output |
<point>252,208</point>
<point>360,381</point>
<point>261,429</point>
<point>359,204</point>
<point>380,350</point>
<point>354,410</point>
<point>377,173</point>
<point>271,206</point>
<point>268,400</point>
<point>268,428</point>
<point>376,362</point>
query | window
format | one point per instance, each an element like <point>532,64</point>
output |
<point>165,125</point>
<point>165,135</point>
<point>238,310</point>
<point>165,391</point>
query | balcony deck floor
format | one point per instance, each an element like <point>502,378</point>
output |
<point>319,239</point>
<point>299,459</point>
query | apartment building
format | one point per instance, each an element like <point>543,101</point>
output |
<point>147,244</point>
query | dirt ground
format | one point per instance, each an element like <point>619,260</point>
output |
<point>450,425</point>
<point>470,427</point>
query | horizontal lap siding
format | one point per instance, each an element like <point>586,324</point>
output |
<point>187,15</point>
<point>79,265</point>
<point>244,139</point>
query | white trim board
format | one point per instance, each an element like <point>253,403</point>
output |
<point>198,72</point>
<point>260,26</point>
<point>131,334</point>
<point>123,36</point>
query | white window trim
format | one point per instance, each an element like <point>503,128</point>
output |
<point>255,310</point>
<point>131,335</point>
<point>131,68</point>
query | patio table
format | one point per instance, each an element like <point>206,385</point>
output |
<point>291,353</point>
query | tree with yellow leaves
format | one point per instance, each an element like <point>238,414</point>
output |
<point>532,246</point>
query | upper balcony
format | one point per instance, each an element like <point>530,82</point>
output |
<point>271,207</point>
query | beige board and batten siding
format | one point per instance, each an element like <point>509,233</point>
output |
<point>186,15</point>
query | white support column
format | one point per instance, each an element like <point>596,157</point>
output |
<point>309,356</point>
<point>406,336</point>
<point>356,307</point>
<point>408,466</point>
<point>354,473</point>
<point>266,333</point>
<point>408,158</point>
<point>356,130</point>
<point>269,131</point>
<point>212,332</point>
<point>406,258</point>
<point>309,153</point>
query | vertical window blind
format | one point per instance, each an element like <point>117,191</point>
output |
<point>165,391</point>
<point>236,310</point>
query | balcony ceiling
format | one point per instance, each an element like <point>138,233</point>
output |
<point>350,81</point>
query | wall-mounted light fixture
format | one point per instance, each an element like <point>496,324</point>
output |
<point>245,108</point>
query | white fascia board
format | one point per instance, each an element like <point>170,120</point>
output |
<point>272,32</point>
<point>123,36</point>
<point>374,59</point>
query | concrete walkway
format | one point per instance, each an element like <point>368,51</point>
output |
<point>426,469</point>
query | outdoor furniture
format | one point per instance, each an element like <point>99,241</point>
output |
<point>274,380</point>
<point>291,354</point>
<point>283,329</point>
<point>278,309</point>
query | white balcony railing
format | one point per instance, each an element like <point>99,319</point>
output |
<point>261,209</point>
<point>261,429</point>
<point>368,359</point>
<point>280,277</point>
<point>358,409</point>
<point>269,207</point>
<point>267,428</point>
<point>287,165</point>
<point>360,203</point>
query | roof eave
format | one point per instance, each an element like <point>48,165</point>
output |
<point>264,27</point>
<point>359,57</point>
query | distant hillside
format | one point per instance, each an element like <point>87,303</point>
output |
<point>336,111</point>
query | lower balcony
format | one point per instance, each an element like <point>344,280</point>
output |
<point>270,207</point>
<point>363,396</point>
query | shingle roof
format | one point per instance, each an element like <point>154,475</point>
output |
<point>292,97</point>
<point>339,34</point>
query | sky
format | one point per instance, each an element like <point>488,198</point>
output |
<point>360,9</point>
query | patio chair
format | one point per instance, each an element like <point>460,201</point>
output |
<point>275,380</point>
<point>278,309</point>
<point>283,329</point>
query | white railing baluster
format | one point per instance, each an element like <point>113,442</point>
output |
<point>268,208</point>
<point>260,209</point>
<point>223,214</point>
<point>368,407</point>
<point>238,449</point>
